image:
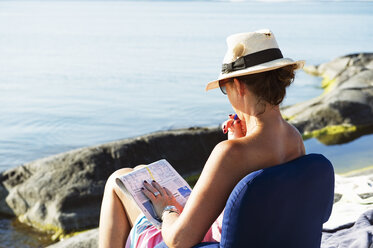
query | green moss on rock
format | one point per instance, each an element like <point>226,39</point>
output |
<point>338,134</point>
<point>56,232</point>
<point>192,180</point>
<point>69,235</point>
<point>327,84</point>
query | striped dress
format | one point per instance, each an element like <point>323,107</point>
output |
<point>144,235</point>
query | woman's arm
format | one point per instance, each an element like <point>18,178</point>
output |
<point>207,200</point>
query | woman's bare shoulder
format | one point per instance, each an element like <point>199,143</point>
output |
<point>297,139</point>
<point>264,149</point>
<point>237,157</point>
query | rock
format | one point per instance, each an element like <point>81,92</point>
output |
<point>88,239</point>
<point>345,110</point>
<point>63,193</point>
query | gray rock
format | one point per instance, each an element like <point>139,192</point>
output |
<point>87,239</point>
<point>347,100</point>
<point>63,193</point>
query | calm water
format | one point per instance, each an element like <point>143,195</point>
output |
<point>81,73</point>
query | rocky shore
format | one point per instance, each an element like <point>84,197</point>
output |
<point>345,110</point>
<point>62,193</point>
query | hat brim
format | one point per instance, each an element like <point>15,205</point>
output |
<point>272,65</point>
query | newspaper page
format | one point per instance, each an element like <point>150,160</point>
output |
<point>162,172</point>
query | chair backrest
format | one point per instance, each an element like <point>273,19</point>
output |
<point>281,206</point>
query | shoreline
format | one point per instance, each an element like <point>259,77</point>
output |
<point>358,172</point>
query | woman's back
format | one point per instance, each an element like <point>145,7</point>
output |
<point>273,142</point>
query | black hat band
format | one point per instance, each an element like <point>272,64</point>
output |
<point>252,60</point>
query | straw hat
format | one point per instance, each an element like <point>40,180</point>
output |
<point>250,53</point>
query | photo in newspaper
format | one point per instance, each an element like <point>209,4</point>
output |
<point>162,172</point>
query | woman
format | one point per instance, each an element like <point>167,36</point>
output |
<point>254,77</point>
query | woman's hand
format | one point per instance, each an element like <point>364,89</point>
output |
<point>233,126</point>
<point>160,197</point>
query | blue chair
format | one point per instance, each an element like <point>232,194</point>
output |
<point>281,206</point>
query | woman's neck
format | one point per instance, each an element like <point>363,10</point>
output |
<point>271,116</point>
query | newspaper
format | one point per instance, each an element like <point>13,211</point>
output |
<point>162,172</point>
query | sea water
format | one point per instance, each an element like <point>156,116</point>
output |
<point>81,73</point>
